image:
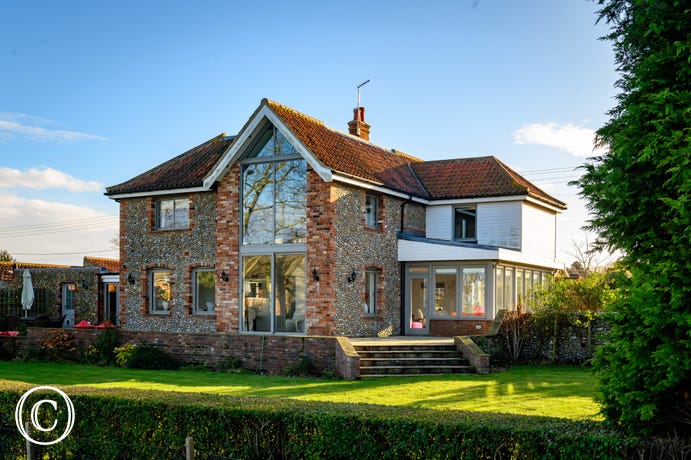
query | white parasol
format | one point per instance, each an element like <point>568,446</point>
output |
<point>27,293</point>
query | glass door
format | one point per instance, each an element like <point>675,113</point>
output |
<point>417,301</point>
<point>68,291</point>
<point>110,302</point>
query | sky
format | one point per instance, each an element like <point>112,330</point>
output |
<point>95,93</point>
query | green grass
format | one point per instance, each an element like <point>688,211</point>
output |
<point>553,391</point>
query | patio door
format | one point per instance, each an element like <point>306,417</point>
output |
<point>68,291</point>
<point>110,302</point>
<point>416,312</point>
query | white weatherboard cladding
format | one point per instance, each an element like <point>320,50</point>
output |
<point>539,232</point>
<point>499,224</point>
<point>440,222</point>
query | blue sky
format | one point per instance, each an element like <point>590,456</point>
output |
<point>94,93</point>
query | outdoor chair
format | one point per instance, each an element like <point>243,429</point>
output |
<point>12,323</point>
<point>56,321</point>
<point>297,322</point>
<point>41,321</point>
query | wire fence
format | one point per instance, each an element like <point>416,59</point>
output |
<point>14,446</point>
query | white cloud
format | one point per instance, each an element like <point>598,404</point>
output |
<point>43,231</point>
<point>576,140</point>
<point>20,125</point>
<point>45,178</point>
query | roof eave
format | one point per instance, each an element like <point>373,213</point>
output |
<point>155,192</point>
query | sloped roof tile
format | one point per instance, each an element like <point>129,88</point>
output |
<point>480,177</point>
<point>184,171</point>
<point>350,155</point>
<point>112,265</point>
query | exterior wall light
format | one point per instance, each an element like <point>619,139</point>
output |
<point>352,276</point>
<point>130,279</point>
<point>224,276</point>
<point>315,275</point>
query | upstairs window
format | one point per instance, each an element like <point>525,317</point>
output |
<point>274,192</point>
<point>173,213</point>
<point>464,227</point>
<point>371,210</point>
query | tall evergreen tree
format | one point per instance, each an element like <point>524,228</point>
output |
<point>639,195</point>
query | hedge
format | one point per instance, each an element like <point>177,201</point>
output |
<point>118,424</point>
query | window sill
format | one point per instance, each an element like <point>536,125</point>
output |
<point>163,230</point>
<point>197,314</point>
<point>377,229</point>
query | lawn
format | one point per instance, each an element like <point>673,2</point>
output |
<point>554,391</point>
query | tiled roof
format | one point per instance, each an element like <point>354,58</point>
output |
<point>350,155</point>
<point>112,265</point>
<point>7,268</point>
<point>476,178</point>
<point>184,171</point>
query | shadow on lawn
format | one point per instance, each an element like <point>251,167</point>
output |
<point>532,387</point>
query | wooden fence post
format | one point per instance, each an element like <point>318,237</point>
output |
<point>29,444</point>
<point>189,448</point>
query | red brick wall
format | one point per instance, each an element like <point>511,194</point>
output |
<point>227,251</point>
<point>321,253</point>
<point>451,328</point>
<point>271,353</point>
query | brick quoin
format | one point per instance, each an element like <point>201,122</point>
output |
<point>228,251</point>
<point>320,256</point>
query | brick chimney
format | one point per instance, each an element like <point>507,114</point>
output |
<point>357,126</point>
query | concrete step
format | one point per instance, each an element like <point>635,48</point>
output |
<point>420,359</point>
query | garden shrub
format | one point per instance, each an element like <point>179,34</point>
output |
<point>149,357</point>
<point>124,353</point>
<point>61,346</point>
<point>154,426</point>
<point>101,351</point>
<point>303,368</point>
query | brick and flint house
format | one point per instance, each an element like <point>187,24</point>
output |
<point>293,227</point>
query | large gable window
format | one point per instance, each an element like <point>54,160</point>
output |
<point>172,213</point>
<point>273,232</point>
<point>274,192</point>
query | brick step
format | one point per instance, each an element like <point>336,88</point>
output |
<point>417,354</point>
<point>412,362</point>
<point>380,371</point>
<point>370,348</point>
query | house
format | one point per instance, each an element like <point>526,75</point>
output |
<point>293,227</point>
<point>70,293</point>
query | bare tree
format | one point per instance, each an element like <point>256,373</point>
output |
<point>589,256</point>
